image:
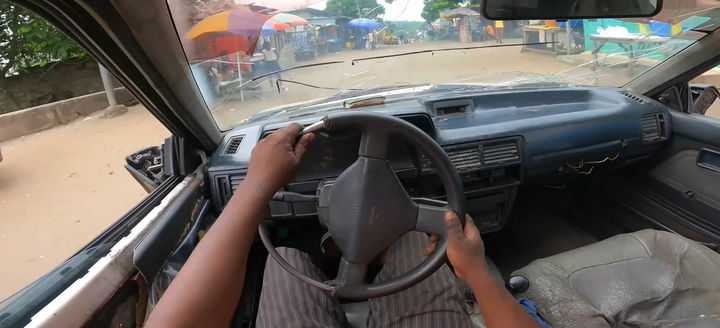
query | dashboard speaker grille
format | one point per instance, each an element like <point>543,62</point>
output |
<point>635,97</point>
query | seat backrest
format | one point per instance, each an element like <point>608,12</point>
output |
<point>642,278</point>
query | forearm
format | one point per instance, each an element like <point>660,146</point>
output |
<point>207,290</point>
<point>498,307</point>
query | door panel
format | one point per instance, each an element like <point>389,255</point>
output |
<point>684,174</point>
<point>679,188</point>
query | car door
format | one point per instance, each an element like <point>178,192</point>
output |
<point>678,189</point>
<point>108,280</point>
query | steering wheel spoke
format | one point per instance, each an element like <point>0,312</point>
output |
<point>373,144</point>
<point>430,219</point>
<point>350,274</point>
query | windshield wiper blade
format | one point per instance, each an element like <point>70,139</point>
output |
<point>410,53</point>
<point>291,69</point>
<point>313,86</point>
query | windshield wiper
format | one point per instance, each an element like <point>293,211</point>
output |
<point>389,56</point>
<point>289,69</point>
<point>277,82</point>
<point>432,51</point>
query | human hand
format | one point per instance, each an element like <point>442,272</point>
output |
<point>466,250</point>
<point>276,157</point>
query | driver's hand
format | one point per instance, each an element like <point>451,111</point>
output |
<point>466,250</point>
<point>276,157</point>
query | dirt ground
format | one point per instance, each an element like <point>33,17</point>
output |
<point>61,187</point>
<point>484,66</point>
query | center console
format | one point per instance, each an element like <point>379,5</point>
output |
<point>491,172</point>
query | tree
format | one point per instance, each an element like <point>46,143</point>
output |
<point>433,8</point>
<point>27,40</point>
<point>407,29</point>
<point>368,8</point>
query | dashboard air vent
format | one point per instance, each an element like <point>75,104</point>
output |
<point>635,97</point>
<point>500,153</point>
<point>226,186</point>
<point>653,127</point>
<point>233,145</point>
<point>466,159</point>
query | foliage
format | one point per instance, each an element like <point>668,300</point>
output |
<point>433,8</point>
<point>27,40</point>
<point>368,8</point>
<point>407,29</point>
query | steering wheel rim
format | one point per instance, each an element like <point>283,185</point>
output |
<point>376,128</point>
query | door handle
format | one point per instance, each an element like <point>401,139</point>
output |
<point>709,159</point>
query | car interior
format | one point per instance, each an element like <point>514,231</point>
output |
<point>601,205</point>
<point>566,170</point>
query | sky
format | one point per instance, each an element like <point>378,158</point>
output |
<point>399,10</point>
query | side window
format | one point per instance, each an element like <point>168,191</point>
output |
<point>704,89</point>
<point>64,145</point>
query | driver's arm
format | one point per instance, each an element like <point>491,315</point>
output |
<point>206,291</point>
<point>466,253</point>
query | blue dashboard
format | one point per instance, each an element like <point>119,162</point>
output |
<point>497,140</point>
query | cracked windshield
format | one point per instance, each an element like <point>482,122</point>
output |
<point>254,56</point>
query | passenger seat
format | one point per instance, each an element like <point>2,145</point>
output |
<point>647,278</point>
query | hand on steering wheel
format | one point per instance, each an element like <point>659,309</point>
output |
<point>466,251</point>
<point>366,208</point>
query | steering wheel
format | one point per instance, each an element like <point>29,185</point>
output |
<point>368,209</point>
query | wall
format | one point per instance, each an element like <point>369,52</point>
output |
<point>49,84</point>
<point>43,117</point>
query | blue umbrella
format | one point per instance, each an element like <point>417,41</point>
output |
<point>364,23</point>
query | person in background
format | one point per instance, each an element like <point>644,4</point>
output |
<point>499,27</point>
<point>271,59</point>
<point>490,31</point>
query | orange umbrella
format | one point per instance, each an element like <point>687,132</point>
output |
<point>240,27</point>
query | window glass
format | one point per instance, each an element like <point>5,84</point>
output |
<point>710,78</point>
<point>252,56</point>
<point>62,174</point>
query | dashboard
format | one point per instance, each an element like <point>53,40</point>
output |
<point>497,141</point>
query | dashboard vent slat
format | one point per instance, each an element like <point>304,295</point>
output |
<point>227,184</point>
<point>233,145</point>
<point>465,159</point>
<point>479,156</point>
<point>500,153</point>
<point>235,181</point>
<point>653,127</point>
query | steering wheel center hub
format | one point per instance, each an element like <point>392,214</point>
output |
<point>368,210</point>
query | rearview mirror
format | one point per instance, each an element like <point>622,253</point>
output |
<point>569,9</point>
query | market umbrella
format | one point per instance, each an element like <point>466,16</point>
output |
<point>284,5</point>
<point>291,19</point>
<point>364,23</point>
<point>458,12</point>
<point>241,22</point>
<point>273,25</point>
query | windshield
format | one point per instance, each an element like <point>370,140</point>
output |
<point>248,58</point>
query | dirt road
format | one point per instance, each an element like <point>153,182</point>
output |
<point>61,187</point>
